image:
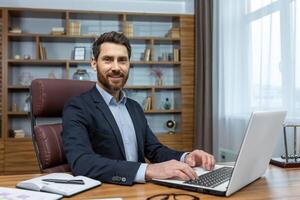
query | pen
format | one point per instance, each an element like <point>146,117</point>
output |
<point>65,181</point>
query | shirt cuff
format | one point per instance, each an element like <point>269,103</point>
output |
<point>140,175</point>
<point>182,158</point>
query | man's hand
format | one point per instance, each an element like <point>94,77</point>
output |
<point>198,158</point>
<point>170,169</point>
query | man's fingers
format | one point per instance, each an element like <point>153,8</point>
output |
<point>206,162</point>
<point>212,162</point>
<point>182,176</point>
<point>188,171</point>
<point>190,160</point>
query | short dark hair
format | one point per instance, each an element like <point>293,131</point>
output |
<point>113,37</point>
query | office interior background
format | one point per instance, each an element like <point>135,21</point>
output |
<point>246,58</point>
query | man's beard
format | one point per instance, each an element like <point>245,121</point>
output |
<point>104,80</point>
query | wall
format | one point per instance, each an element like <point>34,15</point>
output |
<point>144,6</point>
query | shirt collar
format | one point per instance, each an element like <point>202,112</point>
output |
<point>109,99</point>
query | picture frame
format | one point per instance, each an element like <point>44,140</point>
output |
<point>79,53</point>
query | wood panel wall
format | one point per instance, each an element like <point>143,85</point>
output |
<point>184,140</point>
<point>1,156</point>
<point>19,157</point>
<point>187,27</point>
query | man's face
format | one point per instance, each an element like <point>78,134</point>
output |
<point>112,67</point>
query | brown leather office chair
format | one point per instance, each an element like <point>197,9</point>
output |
<point>48,97</point>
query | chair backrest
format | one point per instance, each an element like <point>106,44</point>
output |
<point>48,97</point>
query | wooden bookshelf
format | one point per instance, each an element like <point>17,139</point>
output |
<point>143,32</point>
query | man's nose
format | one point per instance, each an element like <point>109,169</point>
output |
<point>115,65</point>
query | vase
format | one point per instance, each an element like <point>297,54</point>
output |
<point>81,74</point>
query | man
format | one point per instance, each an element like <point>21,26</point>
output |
<point>106,135</point>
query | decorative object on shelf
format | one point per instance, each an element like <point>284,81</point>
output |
<point>157,73</point>
<point>164,56</point>
<point>288,160</point>
<point>171,124</point>
<point>81,74</point>
<point>11,133</point>
<point>27,104</point>
<point>42,52</point>
<point>79,53</point>
<point>128,29</point>
<point>170,56</point>
<point>14,107</point>
<point>173,33</point>
<point>176,55</point>
<point>51,75</point>
<point>15,30</point>
<point>167,104</point>
<point>58,30</point>
<point>25,78</point>
<point>75,28</point>
<point>17,57</point>
<point>26,57</point>
<point>148,103</point>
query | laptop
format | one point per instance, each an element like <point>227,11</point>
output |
<point>253,159</point>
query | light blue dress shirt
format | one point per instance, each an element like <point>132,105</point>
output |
<point>126,128</point>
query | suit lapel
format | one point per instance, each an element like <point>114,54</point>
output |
<point>138,132</point>
<point>101,105</point>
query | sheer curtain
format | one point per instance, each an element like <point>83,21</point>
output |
<point>256,66</point>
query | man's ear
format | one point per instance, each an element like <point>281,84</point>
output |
<point>94,64</point>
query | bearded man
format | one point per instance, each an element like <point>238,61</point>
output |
<point>106,135</point>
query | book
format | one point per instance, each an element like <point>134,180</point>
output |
<point>74,28</point>
<point>147,54</point>
<point>128,29</point>
<point>176,55</point>
<point>13,193</point>
<point>65,189</point>
<point>148,104</point>
<point>42,52</point>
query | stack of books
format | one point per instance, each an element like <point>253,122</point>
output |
<point>58,30</point>
<point>20,133</point>
<point>15,30</point>
<point>75,28</point>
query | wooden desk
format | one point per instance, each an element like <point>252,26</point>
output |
<point>277,183</point>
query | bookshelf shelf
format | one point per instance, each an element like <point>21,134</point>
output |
<point>17,87</point>
<point>18,113</point>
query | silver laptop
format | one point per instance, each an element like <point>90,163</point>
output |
<point>253,159</point>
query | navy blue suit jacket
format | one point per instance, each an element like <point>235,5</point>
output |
<point>93,144</point>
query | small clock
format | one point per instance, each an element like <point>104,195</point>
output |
<point>171,124</point>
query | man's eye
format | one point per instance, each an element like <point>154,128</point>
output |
<point>123,60</point>
<point>106,59</point>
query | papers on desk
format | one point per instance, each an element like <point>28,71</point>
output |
<point>18,194</point>
<point>59,183</point>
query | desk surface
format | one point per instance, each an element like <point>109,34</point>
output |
<point>276,183</point>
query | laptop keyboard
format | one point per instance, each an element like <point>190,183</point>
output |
<point>213,178</point>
